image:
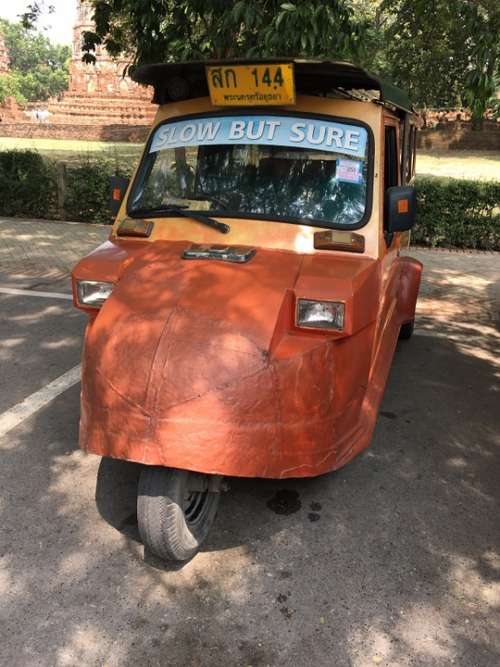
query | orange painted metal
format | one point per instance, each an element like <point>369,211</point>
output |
<point>199,364</point>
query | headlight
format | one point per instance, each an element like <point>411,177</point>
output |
<point>92,292</point>
<point>320,314</point>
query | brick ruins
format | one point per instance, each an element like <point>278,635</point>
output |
<point>100,104</point>
<point>101,91</point>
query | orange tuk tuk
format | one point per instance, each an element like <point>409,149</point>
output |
<point>244,312</point>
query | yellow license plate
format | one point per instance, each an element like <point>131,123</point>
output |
<point>251,85</point>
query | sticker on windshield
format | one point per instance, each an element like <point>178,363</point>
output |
<point>299,132</point>
<point>349,171</point>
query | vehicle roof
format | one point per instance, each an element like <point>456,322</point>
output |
<point>313,77</point>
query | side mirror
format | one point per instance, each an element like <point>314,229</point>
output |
<point>118,188</point>
<point>400,208</point>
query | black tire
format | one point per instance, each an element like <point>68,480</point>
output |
<point>406,330</point>
<point>174,521</point>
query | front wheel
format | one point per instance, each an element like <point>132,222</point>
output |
<point>175,510</point>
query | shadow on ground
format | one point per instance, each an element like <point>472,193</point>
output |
<point>39,340</point>
<point>402,566</point>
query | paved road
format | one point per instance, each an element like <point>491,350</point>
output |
<point>401,568</point>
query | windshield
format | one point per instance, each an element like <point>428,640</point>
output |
<point>296,168</point>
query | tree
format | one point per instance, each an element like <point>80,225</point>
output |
<point>372,22</point>
<point>482,80</point>
<point>168,30</point>
<point>425,49</point>
<point>39,69</point>
<point>446,52</point>
<point>9,87</point>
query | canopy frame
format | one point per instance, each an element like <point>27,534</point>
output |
<point>187,80</point>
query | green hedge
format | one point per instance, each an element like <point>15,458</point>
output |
<point>28,185</point>
<point>33,186</point>
<point>451,213</point>
<point>87,191</point>
<point>458,213</point>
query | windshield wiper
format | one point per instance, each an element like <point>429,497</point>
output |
<point>186,213</point>
<point>200,217</point>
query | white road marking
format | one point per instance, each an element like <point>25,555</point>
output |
<point>31,404</point>
<point>32,292</point>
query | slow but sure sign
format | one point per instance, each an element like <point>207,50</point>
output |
<point>294,131</point>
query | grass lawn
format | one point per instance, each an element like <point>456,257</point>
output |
<point>480,165</point>
<point>69,150</point>
<point>455,164</point>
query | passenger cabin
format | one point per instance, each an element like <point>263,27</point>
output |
<point>327,91</point>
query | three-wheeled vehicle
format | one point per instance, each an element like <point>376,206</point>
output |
<point>244,312</point>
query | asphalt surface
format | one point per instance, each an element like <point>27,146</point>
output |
<point>394,560</point>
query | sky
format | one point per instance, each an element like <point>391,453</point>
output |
<point>57,26</point>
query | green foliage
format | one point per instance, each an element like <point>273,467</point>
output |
<point>9,87</point>
<point>169,30</point>
<point>319,29</point>
<point>452,213</point>
<point>41,83</point>
<point>372,22</point>
<point>39,68</point>
<point>27,185</point>
<point>483,76</point>
<point>456,213</point>
<point>33,12</point>
<point>27,48</point>
<point>445,52</point>
<point>87,191</point>
<point>425,49</point>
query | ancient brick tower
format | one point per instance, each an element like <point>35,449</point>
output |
<point>100,104</point>
<point>99,97</point>
<point>104,78</point>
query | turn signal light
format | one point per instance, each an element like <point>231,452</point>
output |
<point>403,206</point>
<point>130,227</point>
<point>339,240</point>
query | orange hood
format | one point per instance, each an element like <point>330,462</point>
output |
<point>177,327</point>
<point>195,363</point>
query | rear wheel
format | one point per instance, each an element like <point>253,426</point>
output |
<point>175,510</point>
<point>406,330</point>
